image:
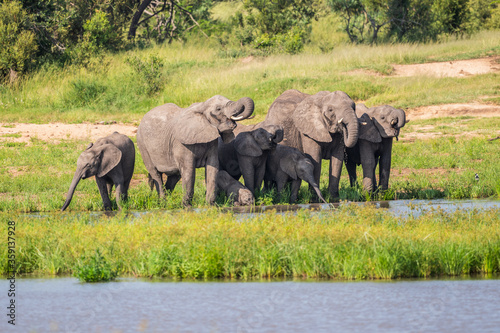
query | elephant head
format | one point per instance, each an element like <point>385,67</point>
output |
<point>255,142</point>
<point>380,122</point>
<point>94,161</point>
<point>298,166</point>
<point>206,121</point>
<point>245,197</point>
<point>325,113</point>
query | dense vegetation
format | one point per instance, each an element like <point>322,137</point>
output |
<point>35,33</point>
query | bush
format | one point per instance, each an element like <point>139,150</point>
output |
<point>17,43</point>
<point>149,71</point>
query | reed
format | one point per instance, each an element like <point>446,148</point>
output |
<point>352,242</point>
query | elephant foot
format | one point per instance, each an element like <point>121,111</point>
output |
<point>334,197</point>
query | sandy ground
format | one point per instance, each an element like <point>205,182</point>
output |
<point>54,132</point>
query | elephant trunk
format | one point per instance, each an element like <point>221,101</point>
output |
<point>310,180</point>
<point>71,191</point>
<point>351,132</point>
<point>401,118</point>
<point>241,109</point>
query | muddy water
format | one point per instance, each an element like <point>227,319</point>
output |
<point>132,305</point>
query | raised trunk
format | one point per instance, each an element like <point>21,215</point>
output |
<point>71,191</point>
<point>241,109</point>
<point>351,137</point>
<point>401,118</point>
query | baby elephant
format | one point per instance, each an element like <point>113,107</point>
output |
<point>246,155</point>
<point>286,164</point>
<point>235,191</point>
<point>111,160</point>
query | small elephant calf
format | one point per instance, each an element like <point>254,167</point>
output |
<point>235,191</point>
<point>111,160</point>
<point>287,164</point>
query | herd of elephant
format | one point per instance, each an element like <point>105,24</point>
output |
<point>287,147</point>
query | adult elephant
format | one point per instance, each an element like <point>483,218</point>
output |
<point>175,141</point>
<point>379,125</point>
<point>318,125</point>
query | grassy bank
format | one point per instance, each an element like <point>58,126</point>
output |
<point>352,242</point>
<point>109,88</point>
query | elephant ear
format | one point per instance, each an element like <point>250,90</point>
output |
<point>287,164</point>
<point>192,127</point>
<point>245,144</point>
<point>110,157</point>
<point>308,119</point>
<point>367,129</point>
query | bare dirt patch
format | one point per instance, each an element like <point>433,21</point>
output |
<point>459,68</point>
<point>453,110</point>
<point>55,132</point>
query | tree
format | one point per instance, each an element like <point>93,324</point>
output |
<point>17,42</point>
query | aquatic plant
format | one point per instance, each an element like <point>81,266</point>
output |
<point>95,268</point>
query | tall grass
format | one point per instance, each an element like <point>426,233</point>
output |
<point>349,243</point>
<point>110,89</point>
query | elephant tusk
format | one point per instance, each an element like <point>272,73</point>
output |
<point>363,123</point>
<point>340,120</point>
<point>394,122</point>
<point>237,118</point>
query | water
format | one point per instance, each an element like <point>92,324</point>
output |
<point>133,305</point>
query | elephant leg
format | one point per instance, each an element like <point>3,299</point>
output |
<point>248,172</point>
<point>336,161</point>
<point>259,175</point>
<point>368,163</point>
<point>110,188</point>
<point>294,193</point>
<point>281,179</point>
<point>188,177</point>
<point>156,180</point>
<point>171,182</point>
<point>211,170</point>
<point>103,190</point>
<point>385,164</point>
<point>351,170</point>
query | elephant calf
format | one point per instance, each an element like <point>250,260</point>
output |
<point>378,126</point>
<point>235,191</point>
<point>288,164</point>
<point>111,160</point>
<point>246,156</point>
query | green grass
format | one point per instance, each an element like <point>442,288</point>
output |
<point>112,90</point>
<point>352,242</point>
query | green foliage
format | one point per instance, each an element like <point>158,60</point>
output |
<point>17,42</point>
<point>95,269</point>
<point>149,72</point>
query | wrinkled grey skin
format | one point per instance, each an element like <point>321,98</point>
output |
<point>235,191</point>
<point>247,154</point>
<point>288,164</point>
<point>111,160</point>
<point>378,126</point>
<point>320,126</point>
<point>175,141</point>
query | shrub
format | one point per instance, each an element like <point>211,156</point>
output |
<point>95,269</point>
<point>149,71</point>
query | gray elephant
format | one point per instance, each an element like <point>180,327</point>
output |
<point>288,164</point>
<point>175,141</point>
<point>378,126</point>
<point>246,156</point>
<point>111,160</point>
<point>235,191</point>
<point>320,126</point>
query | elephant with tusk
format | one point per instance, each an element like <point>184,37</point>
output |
<point>320,126</point>
<point>111,160</point>
<point>175,141</point>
